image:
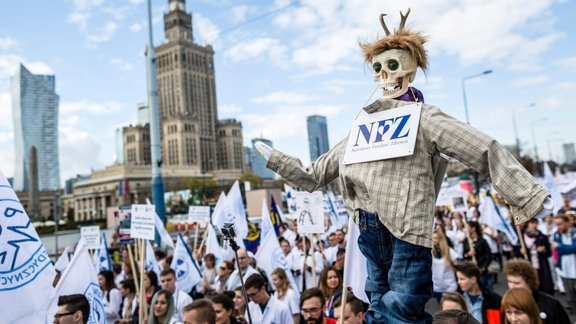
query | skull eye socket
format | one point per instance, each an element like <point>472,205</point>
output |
<point>377,67</point>
<point>393,65</point>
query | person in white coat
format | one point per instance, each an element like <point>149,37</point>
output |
<point>263,307</point>
<point>112,298</point>
<point>180,298</point>
<point>302,265</point>
<point>247,270</point>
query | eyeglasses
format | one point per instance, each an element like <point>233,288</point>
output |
<point>314,310</point>
<point>252,295</point>
<point>58,316</point>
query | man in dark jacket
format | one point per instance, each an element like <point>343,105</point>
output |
<point>521,274</point>
<point>539,250</point>
<point>480,251</point>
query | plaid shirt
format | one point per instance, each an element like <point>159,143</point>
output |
<point>401,190</point>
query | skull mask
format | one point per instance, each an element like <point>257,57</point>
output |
<point>395,69</point>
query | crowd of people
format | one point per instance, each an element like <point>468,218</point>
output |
<point>468,258</point>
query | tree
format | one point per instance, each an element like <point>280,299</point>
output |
<point>255,181</point>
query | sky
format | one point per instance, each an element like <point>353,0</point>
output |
<point>280,61</point>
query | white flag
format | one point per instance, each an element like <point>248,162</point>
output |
<point>161,229</point>
<point>553,188</point>
<point>270,257</point>
<point>219,211</point>
<point>26,273</point>
<point>212,245</point>
<point>151,263</point>
<point>81,278</point>
<point>63,261</point>
<point>235,212</point>
<point>355,272</point>
<point>491,215</point>
<point>101,257</point>
<point>290,199</point>
<point>188,273</point>
<point>266,222</point>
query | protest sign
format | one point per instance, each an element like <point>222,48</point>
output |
<point>199,214</point>
<point>142,222</point>
<point>310,212</point>
<point>122,216</point>
<point>91,236</point>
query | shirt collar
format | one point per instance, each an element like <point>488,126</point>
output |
<point>384,104</point>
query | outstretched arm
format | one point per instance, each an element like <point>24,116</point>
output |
<point>318,175</point>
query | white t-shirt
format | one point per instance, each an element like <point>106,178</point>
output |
<point>291,299</point>
<point>275,312</point>
<point>457,238</point>
<point>181,300</point>
<point>443,277</point>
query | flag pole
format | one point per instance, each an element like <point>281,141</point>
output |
<point>468,238</point>
<point>143,294</point>
<point>204,236</point>
<point>313,261</point>
<point>522,244</point>
<point>196,235</point>
<point>133,266</point>
<point>343,303</point>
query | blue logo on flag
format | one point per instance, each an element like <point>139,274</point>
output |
<point>182,269</point>
<point>94,296</point>
<point>18,268</point>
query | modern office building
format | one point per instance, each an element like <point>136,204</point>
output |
<point>143,114</point>
<point>317,136</point>
<point>259,162</point>
<point>35,113</point>
<point>569,153</point>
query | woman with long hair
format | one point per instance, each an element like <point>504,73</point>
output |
<point>112,298</point>
<point>150,285</point>
<point>520,308</point>
<point>443,260</point>
<point>331,287</point>
<point>239,303</point>
<point>161,308</point>
<point>285,293</point>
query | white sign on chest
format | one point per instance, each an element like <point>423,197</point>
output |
<point>383,135</point>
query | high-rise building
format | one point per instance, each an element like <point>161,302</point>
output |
<point>230,144</point>
<point>186,94</point>
<point>35,114</point>
<point>119,145</point>
<point>317,136</point>
<point>143,114</point>
<point>259,162</point>
<point>569,153</point>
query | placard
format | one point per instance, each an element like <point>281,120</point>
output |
<point>143,221</point>
<point>91,235</point>
<point>459,203</point>
<point>383,135</point>
<point>122,217</point>
<point>310,212</point>
<point>199,214</point>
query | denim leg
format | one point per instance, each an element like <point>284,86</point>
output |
<point>399,279</point>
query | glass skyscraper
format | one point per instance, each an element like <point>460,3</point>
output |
<point>317,136</point>
<point>35,113</point>
<point>259,162</point>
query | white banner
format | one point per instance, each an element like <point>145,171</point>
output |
<point>383,135</point>
<point>143,221</point>
<point>310,212</point>
<point>198,214</point>
<point>91,236</point>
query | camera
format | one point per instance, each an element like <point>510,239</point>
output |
<point>228,231</point>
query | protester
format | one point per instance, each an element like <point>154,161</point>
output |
<point>72,309</point>
<point>339,263</point>
<point>519,307</point>
<point>199,312</point>
<point>455,232</point>
<point>150,285</point>
<point>287,233</point>
<point>245,268</point>
<point>285,246</point>
<point>484,305</point>
<point>453,316</point>
<point>130,302</point>
<point>263,307</point>
<point>565,246</point>
<point>180,298</point>
<point>453,300</point>
<point>239,303</point>
<point>538,251</point>
<point>443,260</point>
<point>311,304</point>
<point>208,274</point>
<point>285,293</point>
<point>221,281</point>
<point>111,295</point>
<point>480,251</point>
<point>353,310</point>
<point>521,274</point>
<point>162,308</point>
<point>566,208</point>
<point>224,308</point>
<point>331,287</point>
<point>302,264</point>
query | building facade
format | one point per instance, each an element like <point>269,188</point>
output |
<point>229,155</point>
<point>35,114</point>
<point>317,136</point>
<point>259,162</point>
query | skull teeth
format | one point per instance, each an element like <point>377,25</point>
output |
<point>390,87</point>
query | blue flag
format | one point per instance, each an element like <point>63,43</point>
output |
<point>252,240</point>
<point>275,216</point>
<point>101,257</point>
<point>188,273</point>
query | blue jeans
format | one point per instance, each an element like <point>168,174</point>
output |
<point>399,282</point>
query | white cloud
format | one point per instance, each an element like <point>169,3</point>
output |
<point>551,102</point>
<point>568,86</point>
<point>339,85</point>
<point>104,34</point>
<point>206,29</point>
<point>569,62</point>
<point>121,64</point>
<point>79,152</point>
<point>91,107</point>
<point>285,98</point>
<point>7,43</point>
<point>238,13</point>
<point>135,2</point>
<point>135,27</point>
<point>229,109</point>
<point>6,122</point>
<point>9,65</point>
<point>531,80</point>
<point>257,49</point>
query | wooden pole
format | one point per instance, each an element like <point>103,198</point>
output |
<point>305,257</point>
<point>343,304</point>
<point>133,267</point>
<point>313,262</point>
<point>522,244</point>
<point>468,238</point>
<point>143,294</point>
<point>196,235</point>
<point>204,236</point>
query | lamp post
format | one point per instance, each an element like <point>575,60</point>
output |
<point>464,90</point>
<point>536,158</point>
<point>553,140</point>
<point>476,180</point>
<point>516,128</point>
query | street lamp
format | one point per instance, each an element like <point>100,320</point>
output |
<point>464,91</point>
<point>516,128</point>
<point>553,140</point>
<point>534,137</point>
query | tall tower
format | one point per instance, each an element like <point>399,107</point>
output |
<point>187,94</point>
<point>35,114</point>
<point>317,136</point>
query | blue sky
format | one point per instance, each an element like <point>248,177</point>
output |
<point>303,60</point>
